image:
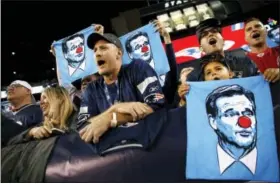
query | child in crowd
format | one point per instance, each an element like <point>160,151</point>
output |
<point>214,67</point>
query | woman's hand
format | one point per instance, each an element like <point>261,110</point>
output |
<point>39,132</point>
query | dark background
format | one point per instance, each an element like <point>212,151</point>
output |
<point>30,27</point>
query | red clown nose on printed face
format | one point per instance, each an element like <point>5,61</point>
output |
<point>244,122</point>
<point>79,50</point>
<point>145,48</point>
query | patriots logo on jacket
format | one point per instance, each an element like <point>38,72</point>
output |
<point>154,97</point>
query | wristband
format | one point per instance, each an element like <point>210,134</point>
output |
<point>114,121</point>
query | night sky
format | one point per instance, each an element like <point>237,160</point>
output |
<point>29,28</point>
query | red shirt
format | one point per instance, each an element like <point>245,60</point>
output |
<point>268,59</point>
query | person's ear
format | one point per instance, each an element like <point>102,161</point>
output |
<point>212,122</point>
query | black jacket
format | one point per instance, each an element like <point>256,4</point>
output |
<point>9,129</point>
<point>25,159</point>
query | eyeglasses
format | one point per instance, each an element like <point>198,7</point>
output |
<point>13,86</point>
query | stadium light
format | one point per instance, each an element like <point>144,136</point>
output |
<point>204,11</point>
<point>178,20</point>
<point>191,16</point>
<point>165,20</point>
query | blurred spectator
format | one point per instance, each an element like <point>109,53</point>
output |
<point>25,111</point>
<point>267,59</point>
<point>77,87</point>
<point>87,79</point>
<point>124,93</point>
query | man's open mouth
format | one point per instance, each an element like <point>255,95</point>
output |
<point>216,78</point>
<point>212,41</point>
<point>100,62</point>
<point>256,35</point>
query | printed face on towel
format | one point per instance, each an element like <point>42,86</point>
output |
<point>255,33</point>
<point>138,47</point>
<point>231,113</point>
<point>211,40</point>
<point>74,50</point>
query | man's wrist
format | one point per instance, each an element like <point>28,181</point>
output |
<point>104,117</point>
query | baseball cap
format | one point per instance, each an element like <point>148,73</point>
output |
<point>22,83</point>
<point>208,23</point>
<point>26,85</point>
<point>111,38</point>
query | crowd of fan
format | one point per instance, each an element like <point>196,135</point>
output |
<point>119,93</point>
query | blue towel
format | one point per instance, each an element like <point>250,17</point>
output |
<point>145,43</point>
<point>74,59</point>
<point>230,131</point>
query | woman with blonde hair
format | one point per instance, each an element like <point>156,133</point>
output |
<point>26,156</point>
<point>57,108</point>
